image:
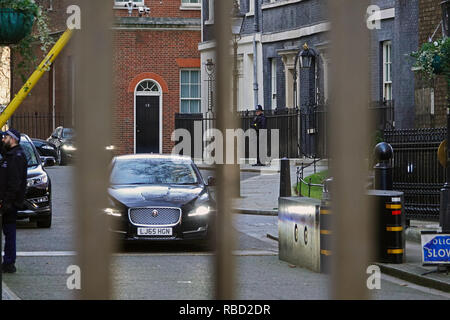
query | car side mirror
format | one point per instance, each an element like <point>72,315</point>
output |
<point>211,181</point>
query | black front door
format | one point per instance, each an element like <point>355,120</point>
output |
<point>147,124</point>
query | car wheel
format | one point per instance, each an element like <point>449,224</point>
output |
<point>47,222</point>
<point>63,159</point>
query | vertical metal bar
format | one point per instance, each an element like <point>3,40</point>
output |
<point>350,137</point>
<point>93,126</point>
<point>224,262</point>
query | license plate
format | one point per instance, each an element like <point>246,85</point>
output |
<point>154,231</point>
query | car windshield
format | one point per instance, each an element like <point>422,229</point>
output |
<point>152,171</point>
<point>29,153</point>
<point>68,133</point>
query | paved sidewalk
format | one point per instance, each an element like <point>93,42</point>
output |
<point>259,195</point>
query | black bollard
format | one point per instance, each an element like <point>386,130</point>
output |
<point>383,169</point>
<point>285,178</point>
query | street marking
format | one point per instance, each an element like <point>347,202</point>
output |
<point>73,253</point>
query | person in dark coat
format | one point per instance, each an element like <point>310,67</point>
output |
<point>13,183</point>
<point>259,122</point>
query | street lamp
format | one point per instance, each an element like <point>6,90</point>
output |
<point>444,211</point>
<point>209,66</point>
<point>306,56</point>
<point>237,19</point>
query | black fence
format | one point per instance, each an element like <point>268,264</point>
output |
<point>301,133</point>
<point>416,170</point>
<point>36,125</point>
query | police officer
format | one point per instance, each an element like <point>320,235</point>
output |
<point>13,183</point>
<point>259,122</point>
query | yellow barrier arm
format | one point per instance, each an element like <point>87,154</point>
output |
<point>34,78</point>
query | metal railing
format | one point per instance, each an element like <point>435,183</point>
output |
<point>36,124</point>
<point>300,177</point>
<point>416,170</point>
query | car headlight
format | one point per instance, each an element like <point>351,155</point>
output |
<point>68,147</point>
<point>200,211</point>
<point>112,212</point>
<point>41,179</point>
<point>47,147</point>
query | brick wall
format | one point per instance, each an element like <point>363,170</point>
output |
<point>429,17</point>
<point>137,51</point>
<point>140,52</point>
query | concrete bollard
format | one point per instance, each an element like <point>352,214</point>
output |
<point>383,169</point>
<point>285,178</point>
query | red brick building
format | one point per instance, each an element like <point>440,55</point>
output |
<point>156,74</point>
<point>430,98</point>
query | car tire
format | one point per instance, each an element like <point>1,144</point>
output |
<point>47,222</point>
<point>63,159</point>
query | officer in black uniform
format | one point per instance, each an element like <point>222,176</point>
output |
<point>259,122</point>
<point>13,183</point>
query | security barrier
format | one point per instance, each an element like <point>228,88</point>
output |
<point>326,236</point>
<point>305,228</point>
<point>298,231</point>
<point>389,226</point>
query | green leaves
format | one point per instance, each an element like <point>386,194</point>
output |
<point>42,34</point>
<point>433,59</point>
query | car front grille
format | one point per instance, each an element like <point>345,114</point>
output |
<point>154,216</point>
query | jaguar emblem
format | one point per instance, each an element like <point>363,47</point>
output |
<point>155,213</point>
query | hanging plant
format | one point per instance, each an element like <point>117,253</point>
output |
<point>24,13</point>
<point>433,59</point>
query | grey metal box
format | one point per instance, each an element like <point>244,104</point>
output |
<point>299,231</point>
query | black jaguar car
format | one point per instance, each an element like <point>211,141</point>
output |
<point>159,197</point>
<point>37,205</point>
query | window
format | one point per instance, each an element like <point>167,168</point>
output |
<point>251,7</point>
<point>190,91</point>
<point>274,82</point>
<point>189,4</point>
<point>121,3</point>
<point>387,70</point>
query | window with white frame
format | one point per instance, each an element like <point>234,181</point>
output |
<point>274,82</point>
<point>251,7</point>
<point>210,12</point>
<point>194,4</point>
<point>190,91</point>
<point>121,3</point>
<point>387,70</point>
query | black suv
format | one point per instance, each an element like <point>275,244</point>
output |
<point>38,203</point>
